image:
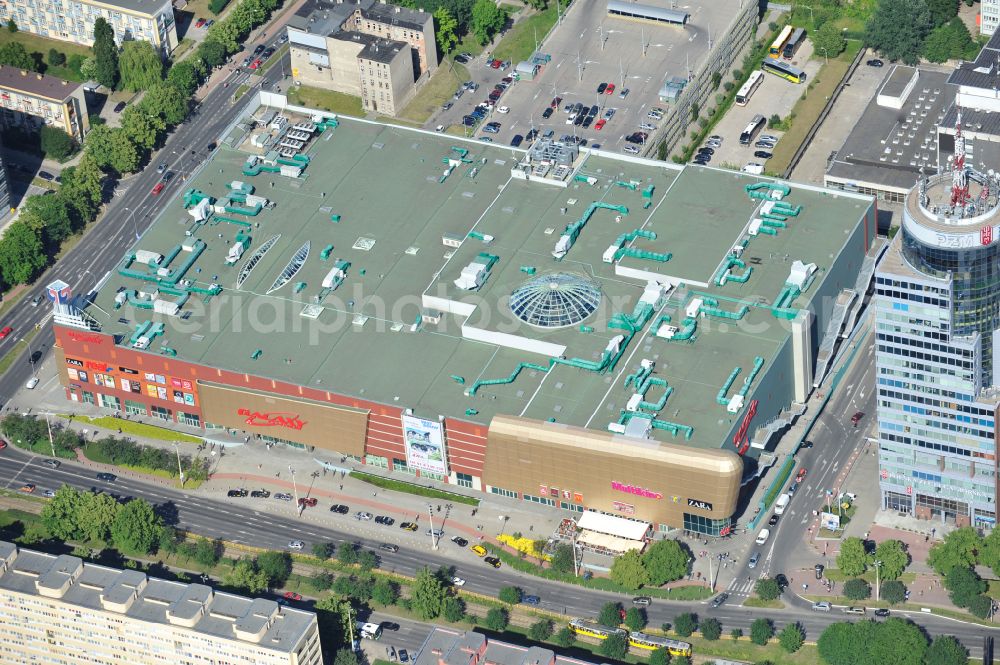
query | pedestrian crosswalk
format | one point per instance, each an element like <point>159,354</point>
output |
<point>741,587</point>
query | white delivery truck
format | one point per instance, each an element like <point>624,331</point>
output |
<point>781,504</point>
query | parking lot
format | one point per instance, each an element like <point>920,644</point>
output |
<point>774,96</point>
<point>590,48</point>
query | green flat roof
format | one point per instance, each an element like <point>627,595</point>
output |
<point>383,182</point>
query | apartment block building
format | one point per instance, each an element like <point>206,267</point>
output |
<point>364,48</point>
<point>989,16</point>
<point>58,609</point>
<point>73,20</point>
<point>937,314</point>
<point>29,100</point>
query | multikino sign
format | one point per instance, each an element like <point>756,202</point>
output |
<point>637,491</point>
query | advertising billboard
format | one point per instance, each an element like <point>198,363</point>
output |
<point>425,445</point>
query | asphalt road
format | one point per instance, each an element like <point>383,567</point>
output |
<point>237,520</point>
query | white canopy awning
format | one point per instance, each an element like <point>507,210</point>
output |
<point>602,542</point>
<point>611,525</point>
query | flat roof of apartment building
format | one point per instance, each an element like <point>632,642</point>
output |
<point>409,232</point>
<point>325,17</point>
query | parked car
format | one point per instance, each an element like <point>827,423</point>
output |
<point>599,125</point>
<point>874,62</point>
<point>637,137</point>
<point>458,540</point>
<point>496,64</point>
<point>457,581</point>
<point>385,520</point>
<point>623,93</point>
<point>531,600</point>
<point>446,106</point>
<point>283,496</point>
<point>161,168</point>
<point>259,49</point>
<point>291,595</point>
<point>403,656</point>
<point>388,547</point>
<point>119,107</point>
<point>362,516</point>
<point>516,141</point>
<point>32,382</point>
<point>478,550</point>
<point>27,488</point>
<point>493,561</point>
<point>168,176</point>
<point>237,493</point>
<point>706,150</point>
<point>818,569</point>
<point>763,536</point>
<point>802,474</point>
<point>547,113</point>
<point>199,23</point>
<point>882,613</point>
<point>556,101</point>
<point>437,533</point>
<point>339,508</point>
<point>763,154</point>
<point>260,494</point>
<point>588,121</point>
<point>486,139</point>
<point>461,59</point>
<point>631,149</point>
<point>821,606</point>
<point>408,526</point>
<point>48,494</point>
<point>492,128</point>
<point>470,121</point>
<point>610,90</point>
<point>773,521</point>
<point>308,501</point>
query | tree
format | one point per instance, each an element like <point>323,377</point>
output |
<point>212,52</point>
<point>767,588</point>
<point>51,215</point>
<point>853,560</point>
<point>761,631</point>
<point>277,566</point>
<point>105,53</point>
<point>893,592</point>
<point>735,634</point>
<point>88,68</point>
<point>347,553</point>
<point>11,26</point>
<point>628,570</point>
<point>829,40</point>
<point>98,510</point>
<point>711,629</point>
<point>59,515</point>
<point>959,548</point>
<point>540,631</point>
<point>610,614</point>
<point>685,624</point>
<point>510,595</point>
<point>635,619</point>
<point>496,619</point>
<point>839,643</point>
<point>857,589</point>
<point>445,26</point>
<point>942,11</point>
<point>564,637</point>
<point>83,189</point>
<point>111,148</point>
<point>321,581</point>
<point>185,76</point>
<point>487,20</point>
<point>950,41</point>
<point>963,584</point>
<point>385,592</point>
<point>897,28</point>
<point>562,558</point>
<point>56,143</point>
<point>345,657</point>
<point>139,66</point>
<point>140,127</point>
<point>685,660</point>
<point>894,558</point>
<point>946,650</point>
<point>665,561</point>
<point>659,657</point>
<point>427,594</point>
<point>980,606</point>
<point>989,551</point>
<point>897,642</point>
<point>208,552</point>
<point>55,58</point>
<point>323,551</point>
<point>367,561</point>
<point>453,609</point>
<point>792,637</point>
<point>615,647</point>
<point>136,528</point>
<point>15,55</point>
<point>168,101</point>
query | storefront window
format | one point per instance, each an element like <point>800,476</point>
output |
<point>705,525</point>
<point>538,499</point>
<point>571,506</point>
<point>376,461</point>
<point>400,465</point>
<point>503,492</point>
<point>188,419</point>
<point>162,413</point>
<point>109,401</point>
<point>463,480</point>
<point>213,426</point>
<point>135,408</point>
<point>431,476</point>
<point>87,397</point>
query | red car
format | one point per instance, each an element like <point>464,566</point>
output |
<point>3,444</point>
<point>256,63</point>
<point>802,474</point>
<point>199,23</point>
<point>856,418</point>
<point>496,64</point>
<point>600,124</point>
<point>556,101</point>
<point>6,331</point>
<point>291,595</point>
<point>610,89</point>
<point>309,501</point>
<point>157,188</point>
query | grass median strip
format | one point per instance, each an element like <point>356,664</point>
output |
<point>136,429</point>
<point>413,488</point>
<point>15,351</point>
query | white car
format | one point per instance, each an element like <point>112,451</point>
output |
<point>296,545</point>
<point>32,382</point>
<point>458,581</point>
<point>763,536</point>
<point>439,128</point>
<point>363,516</point>
<point>632,150</point>
<point>503,109</point>
<point>283,496</point>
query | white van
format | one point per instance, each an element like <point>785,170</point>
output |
<point>763,536</point>
<point>781,504</point>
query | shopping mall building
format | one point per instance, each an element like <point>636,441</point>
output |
<point>575,329</point>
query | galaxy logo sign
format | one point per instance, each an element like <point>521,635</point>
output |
<point>425,445</point>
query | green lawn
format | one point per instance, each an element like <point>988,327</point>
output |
<point>326,100</point>
<point>519,43</point>
<point>413,488</point>
<point>766,604</point>
<point>137,429</point>
<point>435,92</point>
<point>41,45</point>
<point>810,105</point>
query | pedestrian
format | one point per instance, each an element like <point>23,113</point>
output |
<point>374,494</point>
<point>341,488</point>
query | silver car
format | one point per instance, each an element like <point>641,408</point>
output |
<point>646,126</point>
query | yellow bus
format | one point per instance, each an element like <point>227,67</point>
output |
<point>594,629</point>
<point>779,44</point>
<point>652,643</point>
<point>784,70</point>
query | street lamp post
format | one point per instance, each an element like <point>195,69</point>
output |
<point>48,426</point>
<point>878,566</point>
<point>430,514</point>
<point>826,59</point>
<point>711,575</point>
<point>135,228</point>
<point>180,472</point>
<point>503,518</point>
<point>295,488</point>
<point>31,358</point>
